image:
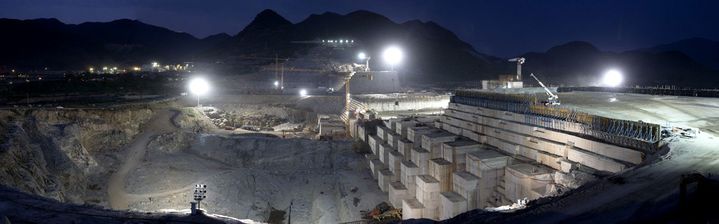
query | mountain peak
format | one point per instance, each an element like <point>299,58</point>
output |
<point>266,20</point>
<point>573,47</point>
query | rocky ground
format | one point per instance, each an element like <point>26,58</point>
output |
<point>65,154</point>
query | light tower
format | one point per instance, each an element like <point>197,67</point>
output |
<point>520,61</point>
<point>199,87</point>
<point>198,196</point>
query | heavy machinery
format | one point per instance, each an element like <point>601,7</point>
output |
<point>520,61</point>
<point>552,99</point>
<point>344,70</point>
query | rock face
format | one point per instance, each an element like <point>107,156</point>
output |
<point>64,154</point>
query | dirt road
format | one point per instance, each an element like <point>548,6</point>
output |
<point>159,124</point>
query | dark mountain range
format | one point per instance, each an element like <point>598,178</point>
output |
<point>433,53</point>
<point>50,43</point>
<point>702,50</point>
<point>580,63</point>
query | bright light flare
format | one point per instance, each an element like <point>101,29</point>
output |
<point>612,78</point>
<point>362,56</point>
<point>392,55</point>
<point>199,86</point>
<point>303,92</point>
<point>277,83</point>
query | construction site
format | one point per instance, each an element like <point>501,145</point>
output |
<point>338,131</point>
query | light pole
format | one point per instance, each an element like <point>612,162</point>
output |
<point>363,56</point>
<point>199,86</point>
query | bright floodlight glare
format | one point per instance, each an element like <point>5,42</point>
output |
<point>362,56</point>
<point>392,55</point>
<point>199,86</point>
<point>303,92</point>
<point>277,83</point>
<point>613,78</point>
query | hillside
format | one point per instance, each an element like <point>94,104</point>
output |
<point>580,63</point>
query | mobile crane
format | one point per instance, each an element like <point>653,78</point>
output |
<point>553,99</point>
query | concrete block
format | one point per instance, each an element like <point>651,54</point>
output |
<point>441,170</point>
<point>375,166</point>
<point>397,193</point>
<point>374,142</point>
<point>412,209</point>
<point>382,132</point>
<point>393,162</point>
<point>466,184</point>
<point>414,134</point>
<point>523,181</point>
<point>404,147</point>
<point>420,157</point>
<point>433,142</point>
<point>427,190</point>
<point>384,150</point>
<point>403,126</point>
<point>393,138</point>
<point>485,160</point>
<point>565,166</point>
<point>408,175</point>
<point>455,152</point>
<point>385,177</point>
<point>452,204</point>
<point>594,161</point>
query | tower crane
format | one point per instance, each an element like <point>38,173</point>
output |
<point>346,71</point>
<point>553,99</point>
<point>520,61</point>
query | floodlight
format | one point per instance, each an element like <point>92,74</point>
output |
<point>612,78</point>
<point>198,87</point>
<point>362,56</point>
<point>303,92</point>
<point>392,55</point>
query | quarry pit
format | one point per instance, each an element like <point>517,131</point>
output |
<point>147,156</point>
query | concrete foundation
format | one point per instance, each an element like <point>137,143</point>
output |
<point>412,209</point>
<point>441,170</point>
<point>397,193</point>
<point>452,204</point>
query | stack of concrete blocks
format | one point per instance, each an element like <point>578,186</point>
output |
<point>408,175</point>
<point>466,185</point>
<point>374,142</point>
<point>404,147</point>
<point>455,152</point>
<point>403,126</point>
<point>394,161</point>
<point>528,181</point>
<point>452,204</point>
<point>397,193</point>
<point>420,157</point>
<point>382,132</point>
<point>433,142</point>
<point>427,193</point>
<point>385,178</point>
<point>393,139</point>
<point>441,170</point>
<point>383,152</point>
<point>511,128</point>
<point>375,166</point>
<point>488,166</point>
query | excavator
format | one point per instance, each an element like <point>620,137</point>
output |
<point>552,99</point>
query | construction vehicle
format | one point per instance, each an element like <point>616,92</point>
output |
<point>552,99</point>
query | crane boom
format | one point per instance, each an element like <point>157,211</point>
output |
<point>553,98</point>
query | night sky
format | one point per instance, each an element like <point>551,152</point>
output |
<point>501,28</point>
